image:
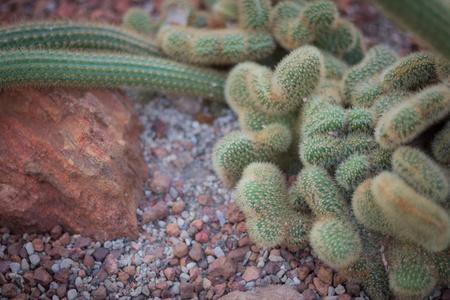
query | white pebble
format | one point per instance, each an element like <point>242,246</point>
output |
<point>29,247</point>
<point>218,252</point>
<point>72,294</point>
<point>15,267</point>
<point>35,259</point>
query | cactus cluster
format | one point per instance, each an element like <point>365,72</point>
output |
<point>372,203</point>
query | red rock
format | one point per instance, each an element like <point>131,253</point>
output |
<point>63,275</point>
<point>160,183</point>
<point>56,232</point>
<point>130,270</point>
<point>4,266</point>
<point>325,274</point>
<point>42,277</point>
<point>38,245</point>
<point>9,290</point>
<point>157,212</point>
<point>205,200</point>
<point>110,264</point>
<point>99,293</point>
<point>162,285</point>
<point>172,229</point>
<point>321,287</point>
<point>70,158</point>
<point>271,292</point>
<point>89,262</point>
<point>222,266</point>
<point>170,273</point>
<point>123,277</point>
<point>197,223</point>
<point>252,273</point>
<point>271,268</point>
<point>303,272</point>
<point>353,289</point>
<point>178,207</point>
<point>186,290</point>
<point>61,290</point>
<point>64,240</point>
<point>238,254</point>
<point>203,236</point>
<point>196,252</point>
<point>220,289</point>
<point>345,297</point>
<point>180,250</point>
<point>338,279</point>
<point>100,254</point>
<point>21,296</point>
<point>233,213</point>
<point>244,241</point>
<point>82,242</point>
<point>204,118</point>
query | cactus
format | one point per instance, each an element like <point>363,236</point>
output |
<point>71,35</point>
<point>250,41</point>
<point>55,69</point>
<point>411,275</point>
<point>411,216</point>
<point>295,24</point>
<point>138,20</point>
<point>221,46</point>
<point>377,59</point>
<point>441,145</point>
<point>410,118</point>
<point>426,18</point>
<point>412,72</point>
<point>238,149</point>
<point>352,171</point>
<point>424,175</point>
<point>336,241</point>
<point>263,197</point>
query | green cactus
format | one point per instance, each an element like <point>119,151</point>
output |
<point>441,145</point>
<point>422,173</point>
<point>317,188</point>
<point>41,68</point>
<point>138,20</point>
<point>336,241</point>
<point>426,18</point>
<point>319,15</point>
<point>238,149</point>
<point>220,46</point>
<point>352,171</point>
<point>328,150</point>
<point>71,35</point>
<point>376,60</point>
<point>408,119</point>
<point>411,216</point>
<point>412,72</point>
<point>334,67</point>
<point>263,197</point>
<point>367,211</point>
<point>254,14</point>
<point>411,275</point>
<point>387,100</point>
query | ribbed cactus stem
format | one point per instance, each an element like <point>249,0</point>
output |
<point>426,18</point>
<point>62,69</point>
<point>70,35</point>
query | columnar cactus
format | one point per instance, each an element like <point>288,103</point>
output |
<point>50,68</point>
<point>76,36</point>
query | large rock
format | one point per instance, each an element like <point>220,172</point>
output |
<point>70,158</point>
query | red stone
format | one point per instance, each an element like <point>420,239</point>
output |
<point>233,213</point>
<point>223,266</point>
<point>70,158</point>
